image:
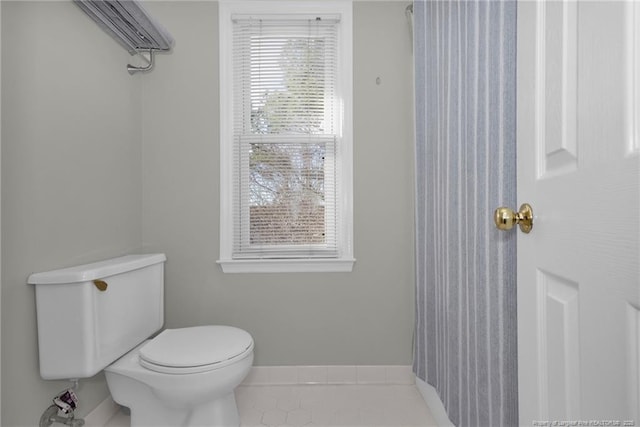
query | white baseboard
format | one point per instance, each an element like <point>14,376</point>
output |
<point>434,403</point>
<point>290,375</point>
<point>281,375</point>
<point>102,413</point>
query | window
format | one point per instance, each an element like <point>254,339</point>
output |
<point>286,136</point>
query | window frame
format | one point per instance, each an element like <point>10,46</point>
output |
<point>344,153</point>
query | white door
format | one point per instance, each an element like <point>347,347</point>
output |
<point>578,167</point>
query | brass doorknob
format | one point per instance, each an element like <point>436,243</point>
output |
<point>506,218</point>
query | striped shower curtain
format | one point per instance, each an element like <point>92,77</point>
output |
<point>465,344</point>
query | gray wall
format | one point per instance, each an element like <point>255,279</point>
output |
<point>71,179</point>
<point>363,317</point>
<point>75,130</point>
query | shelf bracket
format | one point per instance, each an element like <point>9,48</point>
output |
<point>132,69</point>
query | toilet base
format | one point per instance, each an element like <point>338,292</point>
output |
<point>221,412</point>
<point>168,400</point>
<point>149,411</point>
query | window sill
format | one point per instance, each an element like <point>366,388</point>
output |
<point>287,265</point>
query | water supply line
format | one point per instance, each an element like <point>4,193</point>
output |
<point>62,410</point>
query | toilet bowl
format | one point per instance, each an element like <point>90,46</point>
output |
<point>183,377</point>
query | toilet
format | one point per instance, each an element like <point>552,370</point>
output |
<point>100,316</point>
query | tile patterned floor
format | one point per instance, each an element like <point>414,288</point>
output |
<point>332,405</point>
<point>326,405</point>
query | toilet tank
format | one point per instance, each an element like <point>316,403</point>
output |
<point>90,315</point>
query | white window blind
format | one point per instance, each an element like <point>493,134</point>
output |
<point>286,136</point>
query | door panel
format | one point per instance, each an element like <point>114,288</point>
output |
<point>557,86</point>
<point>560,362</point>
<point>633,79</point>
<point>578,166</point>
<point>633,360</point>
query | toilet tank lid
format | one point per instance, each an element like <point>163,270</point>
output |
<point>96,270</point>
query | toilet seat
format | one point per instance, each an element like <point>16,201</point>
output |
<point>195,349</point>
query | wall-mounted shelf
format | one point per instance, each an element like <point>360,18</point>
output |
<point>131,26</point>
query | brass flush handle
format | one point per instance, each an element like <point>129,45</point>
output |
<point>101,285</point>
<point>506,218</point>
